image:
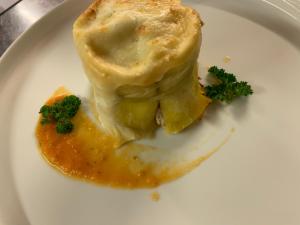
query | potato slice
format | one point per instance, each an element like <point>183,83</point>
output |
<point>184,105</point>
<point>138,114</point>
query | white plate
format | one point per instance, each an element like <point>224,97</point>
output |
<point>253,180</point>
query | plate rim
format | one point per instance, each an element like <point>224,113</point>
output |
<point>285,6</point>
<point>13,48</point>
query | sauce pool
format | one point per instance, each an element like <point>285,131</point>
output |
<point>89,154</point>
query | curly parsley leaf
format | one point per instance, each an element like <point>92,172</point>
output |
<point>61,113</point>
<point>228,87</point>
<point>64,126</point>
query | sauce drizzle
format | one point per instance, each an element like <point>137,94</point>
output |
<point>89,154</point>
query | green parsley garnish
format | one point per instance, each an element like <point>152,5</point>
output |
<point>61,113</point>
<point>228,88</point>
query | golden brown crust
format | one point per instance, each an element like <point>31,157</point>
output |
<point>89,14</point>
<point>92,9</point>
<point>163,34</point>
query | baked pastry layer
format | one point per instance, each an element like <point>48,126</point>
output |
<point>137,56</point>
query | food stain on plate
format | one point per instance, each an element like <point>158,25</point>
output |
<point>155,196</point>
<point>89,154</point>
<point>227,59</point>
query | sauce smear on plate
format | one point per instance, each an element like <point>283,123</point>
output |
<point>89,154</point>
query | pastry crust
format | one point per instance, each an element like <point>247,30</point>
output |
<point>136,42</point>
<point>135,49</point>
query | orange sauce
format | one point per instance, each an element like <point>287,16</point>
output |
<point>89,154</point>
<point>155,196</point>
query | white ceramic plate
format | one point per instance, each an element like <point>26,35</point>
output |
<point>253,180</point>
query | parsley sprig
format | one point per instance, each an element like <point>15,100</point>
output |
<point>228,88</point>
<point>61,113</point>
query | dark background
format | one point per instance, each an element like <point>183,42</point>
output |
<point>16,16</point>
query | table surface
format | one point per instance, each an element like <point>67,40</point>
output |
<point>20,17</point>
<point>7,4</point>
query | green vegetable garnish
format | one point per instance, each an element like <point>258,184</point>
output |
<point>61,113</point>
<point>228,87</point>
